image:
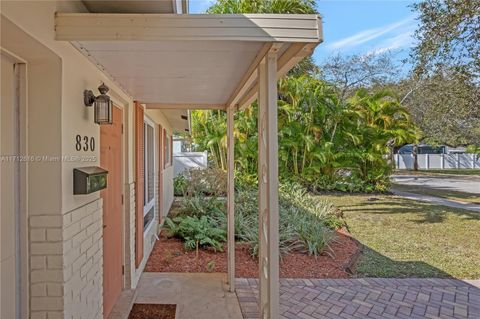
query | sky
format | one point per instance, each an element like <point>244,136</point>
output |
<point>358,26</point>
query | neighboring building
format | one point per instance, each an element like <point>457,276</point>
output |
<point>435,157</point>
<point>429,149</point>
<point>66,255</point>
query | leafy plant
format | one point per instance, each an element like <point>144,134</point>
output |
<point>199,206</point>
<point>325,142</point>
<point>312,234</point>
<point>180,183</point>
<point>197,232</point>
<point>211,265</point>
<point>206,182</point>
<point>306,224</point>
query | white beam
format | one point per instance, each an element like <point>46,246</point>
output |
<point>294,54</point>
<point>268,188</point>
<point>231,199</point>
<point>183,106</point>
<point>249,77</point>
<point>195,27</point>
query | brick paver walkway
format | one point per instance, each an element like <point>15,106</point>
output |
<point>367,298</point>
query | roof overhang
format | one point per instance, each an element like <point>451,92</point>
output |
<point>179,119</point>
<point>136,6</point>
<point>170,61</point>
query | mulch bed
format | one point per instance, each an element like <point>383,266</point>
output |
<point>169,255</point>
<point>152,311</point>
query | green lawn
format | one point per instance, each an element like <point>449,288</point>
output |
<point>405,238</point>
<point>441,171</point>
<point>447,194</point>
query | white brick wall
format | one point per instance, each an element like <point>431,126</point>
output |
<point>66,260</point>
<point>66,264</point>
<point>82,262</point>
<point>46,273</point>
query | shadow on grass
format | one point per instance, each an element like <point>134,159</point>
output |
<point>426,212</point>
<point>374,264</point>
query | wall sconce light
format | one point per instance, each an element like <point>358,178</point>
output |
<point>102,105</point>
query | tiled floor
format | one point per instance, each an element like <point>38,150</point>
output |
<point>368,298</point>
<point>197,296</point>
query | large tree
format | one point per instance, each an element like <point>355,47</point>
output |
<point>445,105</point>
<point>349,73</point>
<point>448,34</point>
<point>443,93</point>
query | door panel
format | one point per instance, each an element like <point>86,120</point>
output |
<point>9,289</point>
<point>111,160</point>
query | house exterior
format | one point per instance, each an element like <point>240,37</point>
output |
<point>67,255</point>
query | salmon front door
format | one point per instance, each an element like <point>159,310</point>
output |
<point>111,160</point>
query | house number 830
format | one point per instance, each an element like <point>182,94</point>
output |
<point>84,143</point>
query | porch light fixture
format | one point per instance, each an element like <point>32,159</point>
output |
<point>103,113</point>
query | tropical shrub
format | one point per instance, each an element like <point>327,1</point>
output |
<point>306,224</point>
<point>473,149</point>
<point>325,143</point>
<point>206,182</point>
<point>180,183</point>
<point>199,206</point>
<point>197,232</point>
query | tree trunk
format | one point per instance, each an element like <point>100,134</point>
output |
<point>415,157</point>
<point>392,157</point>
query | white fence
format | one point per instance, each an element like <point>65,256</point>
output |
<point>438,161</point>
<point>186,160</point>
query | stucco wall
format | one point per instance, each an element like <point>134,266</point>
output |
<point>65,250</point>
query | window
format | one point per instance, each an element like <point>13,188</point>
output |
<point>149,177</point>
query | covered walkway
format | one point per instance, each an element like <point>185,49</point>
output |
<point>223,62</point>
<point>196,295</point>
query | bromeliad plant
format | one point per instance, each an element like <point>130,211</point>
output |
<point>197,232</point>
<point>306,224</point>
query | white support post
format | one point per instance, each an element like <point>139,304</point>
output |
<point>230,199</point>
<point>268,213</point>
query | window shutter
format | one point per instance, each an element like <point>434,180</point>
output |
<point>140,182</point>
<point>165,148</point>
<point>160,172</point>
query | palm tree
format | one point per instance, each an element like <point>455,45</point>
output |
<point>263,6</point>
<point>324,140</point>
<point>382,122</point>
<point>271,6</point>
